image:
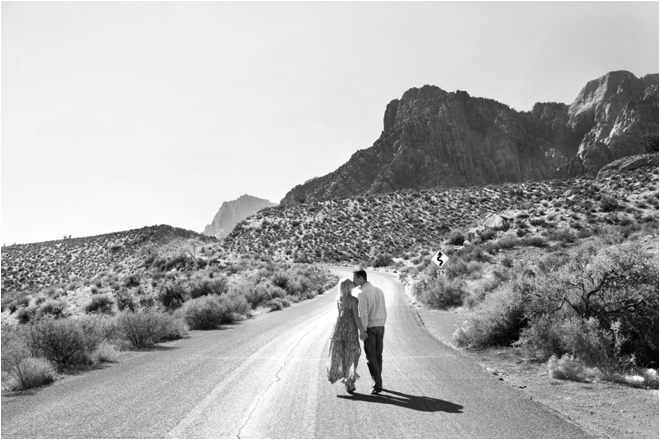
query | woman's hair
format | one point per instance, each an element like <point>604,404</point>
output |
<point>345,286</point>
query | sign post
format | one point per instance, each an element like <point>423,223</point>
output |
<point>440,260</point>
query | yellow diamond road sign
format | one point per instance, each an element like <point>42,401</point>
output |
<point>440,259</point>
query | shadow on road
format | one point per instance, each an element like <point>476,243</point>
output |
<point>417,403</point>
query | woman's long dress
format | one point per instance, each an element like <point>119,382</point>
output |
<point>344,349</point>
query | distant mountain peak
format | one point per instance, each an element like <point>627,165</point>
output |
<point>234,211</point>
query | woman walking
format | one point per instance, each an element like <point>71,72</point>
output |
<point>345,340</point>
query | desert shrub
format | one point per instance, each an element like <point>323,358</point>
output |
<point>382,260</point>
<point>616,286</point>
<point>487,285</point>
<point>236,304</point>
<point>172,295</point>
<point>105,353</point>
<point>535,241</point>
<point>542,338</point>
<point>552,262</point>
<point>539,221</point>
<point>277,304</point>
<point>52,307</point>
<point>439,293</point>
<point>475,269</point>
<point>560,235</point>
<point>207,286</point>
<point>20,370</point>
<point>456,268</point>
<point>67,343</point>
<point>126,301</point>
<point>568,367</point>
<point>497,320</point>
<point>132,280</point>
<point>280,280</point>
<point>456,238</point>
<point>507,262</point>
<point>629,228</point>
<point>101,304</point>
<point>582,340</point>
<point>508,243</point>
<point>147,328</point>
<point>608,204</point>
<point>206,313</point>
<point>477,253</point>
<point>487,234</point>
<point>253,293</point>
<point>584,233</point>
<point>14,300</point>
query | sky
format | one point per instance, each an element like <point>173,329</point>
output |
<point>120,115</point>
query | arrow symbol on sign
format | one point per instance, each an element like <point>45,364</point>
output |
<point>440,259</point>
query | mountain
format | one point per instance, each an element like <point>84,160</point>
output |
<point>437,139</point>
<point>231,213</point>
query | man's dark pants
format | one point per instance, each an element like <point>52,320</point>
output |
<point>373,348</point>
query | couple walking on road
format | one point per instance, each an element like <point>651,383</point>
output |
<point>362,318</point>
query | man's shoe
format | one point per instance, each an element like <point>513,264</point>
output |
<point>376,392</point>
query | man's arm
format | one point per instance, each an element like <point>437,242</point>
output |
<point>363,309</point>
<point>356,315</point>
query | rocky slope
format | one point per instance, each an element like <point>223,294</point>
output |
<point>350,230</point>
<point>232,212</point>
<point>436,139</point>
<point>34,265</point>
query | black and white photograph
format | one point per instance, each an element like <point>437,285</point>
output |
<point>329,219</point>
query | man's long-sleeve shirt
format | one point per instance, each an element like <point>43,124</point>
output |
<point>371,306</point>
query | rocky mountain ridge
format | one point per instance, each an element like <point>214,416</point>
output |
<point>438,139</point>
<point>232,212</point>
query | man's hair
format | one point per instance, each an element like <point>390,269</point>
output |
<point>360,274</point>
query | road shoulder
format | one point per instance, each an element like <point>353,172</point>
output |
<point>607,410</point>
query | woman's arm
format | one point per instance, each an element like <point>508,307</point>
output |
<point>356,316</point>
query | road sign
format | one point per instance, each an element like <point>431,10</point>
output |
<point>440,259</point>
<point>441,274</point>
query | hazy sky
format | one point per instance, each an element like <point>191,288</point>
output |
<point>118,115</point>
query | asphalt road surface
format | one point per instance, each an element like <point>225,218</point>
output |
<point>266,378</point>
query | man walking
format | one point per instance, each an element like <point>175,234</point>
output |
<point>371,307</point>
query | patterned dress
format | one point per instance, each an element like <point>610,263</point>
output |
<point>344,348</point>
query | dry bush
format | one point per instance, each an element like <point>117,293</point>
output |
<point>67,343</point>
<point>145,329</point>
<point>102,304</point>
<point>20,370</point>
<point>497,320</point>
<point>439,293</point>
<point>204,313</point>
<point>208,286</point>
<point>105,353</point>
<point>172,295</point>
<point>569,368</point>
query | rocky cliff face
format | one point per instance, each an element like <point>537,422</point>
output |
<point>231,213</point>
<point>436,139</point>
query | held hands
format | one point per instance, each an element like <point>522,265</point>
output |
<point>363,335</point>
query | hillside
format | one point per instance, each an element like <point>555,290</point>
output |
<point>33,265</point>
<point>436,139</point>
<point>351,230</point>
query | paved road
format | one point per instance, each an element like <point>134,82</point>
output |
<point>265,378</point>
